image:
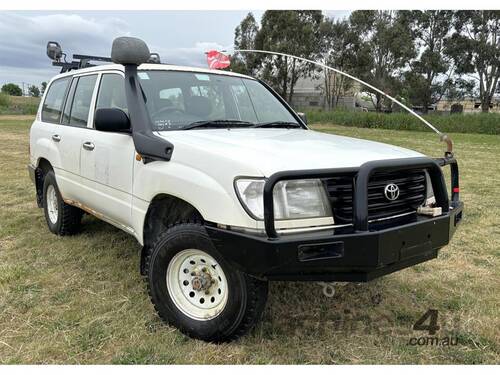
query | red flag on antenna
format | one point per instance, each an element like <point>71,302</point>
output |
<point>217,60</point>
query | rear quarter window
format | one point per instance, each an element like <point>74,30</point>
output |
<point>54,100</point>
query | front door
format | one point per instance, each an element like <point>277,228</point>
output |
<point>107,159</point>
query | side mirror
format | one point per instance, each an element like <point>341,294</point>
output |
<point>303,117</point>
<point>111,120</point>
<point>129,51</point>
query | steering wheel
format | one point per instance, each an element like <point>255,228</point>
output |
<point>167,110</point>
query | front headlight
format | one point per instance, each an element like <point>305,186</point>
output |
<point>293,199</point>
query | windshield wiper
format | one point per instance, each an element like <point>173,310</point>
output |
<point>277,124</point>
<point>218,124</point>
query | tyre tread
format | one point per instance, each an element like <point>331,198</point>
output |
<point>256,298</point>
<point>70,216</point>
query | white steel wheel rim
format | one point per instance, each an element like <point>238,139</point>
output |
<point>184,273</point>
<point>52,207</point>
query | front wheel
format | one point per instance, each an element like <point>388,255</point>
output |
<point>194,289</point>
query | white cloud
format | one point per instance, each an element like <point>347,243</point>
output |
<point>24,38</point>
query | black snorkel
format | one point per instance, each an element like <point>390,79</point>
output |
<point>132,52</point>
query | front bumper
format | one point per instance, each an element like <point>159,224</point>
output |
<point>360,255</point>
<point>331,257</point>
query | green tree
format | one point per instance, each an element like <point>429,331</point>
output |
<point>475,49</point>
<point>43,87</point>
<point>429,76</point>
<point>34,91</point>
<point>341,48</point>
<point>460,89</point>
<point>389,42</point>
<point>12,89</point>
<point>294,32</point>
<point>244,38</point>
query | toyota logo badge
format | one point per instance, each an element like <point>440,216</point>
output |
<point>391,192</point>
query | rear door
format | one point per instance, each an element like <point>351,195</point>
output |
<point>71,132</point>
<point>43,133</point>
<point>107,158</point>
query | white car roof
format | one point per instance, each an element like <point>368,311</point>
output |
<point>120,67</point>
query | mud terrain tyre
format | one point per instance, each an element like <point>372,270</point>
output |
<point>194,289</point>
<point>62,219</point>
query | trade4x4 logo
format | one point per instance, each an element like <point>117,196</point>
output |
<point>429,322</point>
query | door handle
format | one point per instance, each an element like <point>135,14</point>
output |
<point>88,146</point>
<point>56,137</point>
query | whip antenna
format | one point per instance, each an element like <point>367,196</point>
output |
<point>442,136</point>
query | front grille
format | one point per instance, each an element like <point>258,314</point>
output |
<point>412,193</point>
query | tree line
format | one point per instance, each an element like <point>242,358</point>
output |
<point>419,57</point>
<point>15,90</point>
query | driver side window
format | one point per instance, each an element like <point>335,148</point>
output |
<point>112,92</point>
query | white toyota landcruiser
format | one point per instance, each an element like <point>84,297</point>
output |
<point>226,188</point>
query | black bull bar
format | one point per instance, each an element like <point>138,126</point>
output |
<point>358,255</point>
<point>363,174</point>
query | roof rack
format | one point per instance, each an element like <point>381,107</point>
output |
<point>55,53</point>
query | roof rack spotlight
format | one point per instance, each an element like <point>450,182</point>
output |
<point>54,51</point>
<point>154,58</point>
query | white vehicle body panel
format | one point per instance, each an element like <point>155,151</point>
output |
<point>274,150</point>
<point>107,173</point>
<point>110,183</point>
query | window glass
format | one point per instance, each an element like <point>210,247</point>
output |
<point>212,94</point>
<point>52,106</point>
<point>177,99</point>
<point>244,104</point>
<point>112,92</point>
<point>69,101</point>
<point>172,99</point>
<point>267,107</point>
<point>82,99</point>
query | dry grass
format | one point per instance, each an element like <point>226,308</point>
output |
<point>81,300</point>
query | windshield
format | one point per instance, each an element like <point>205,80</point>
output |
<point>177,100</point>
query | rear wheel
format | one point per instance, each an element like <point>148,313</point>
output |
<point>62,219</point>
<point>193,288</point>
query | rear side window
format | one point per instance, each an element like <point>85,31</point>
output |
<point>82,100</point>
<point>52,106</point>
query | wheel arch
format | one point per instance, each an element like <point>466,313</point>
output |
<point>164,211</point>
<point>43,166</point>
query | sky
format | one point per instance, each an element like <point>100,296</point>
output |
<point>180,37</point>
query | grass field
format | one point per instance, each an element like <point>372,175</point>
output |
<point>18,105</point>
<point>480,123</point>
<point>81,299</point>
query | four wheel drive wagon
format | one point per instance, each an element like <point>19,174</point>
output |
<point>226,187</point>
